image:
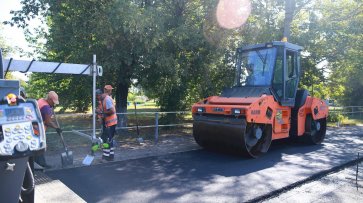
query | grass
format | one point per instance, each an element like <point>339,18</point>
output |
<point>347,116</point>
<point>352,122</point>
<point>347,122</point>
<point>70,122</point>
<point>147,105</point>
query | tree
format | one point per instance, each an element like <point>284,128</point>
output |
<point>177,51</point>
<point>5,48</point>
<point>344,41</point>
<point>114,30</point>
<point>331,33</point>
<point>184,60</point>
<point>142,40</point>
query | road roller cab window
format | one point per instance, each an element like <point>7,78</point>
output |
<point>278,78</point>
<point>255,67</point>
<point>291,77</point>
<point>285,80</point>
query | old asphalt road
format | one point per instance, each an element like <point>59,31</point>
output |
<point>204,176</point>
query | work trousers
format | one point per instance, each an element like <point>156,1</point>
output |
<point>107,137</point>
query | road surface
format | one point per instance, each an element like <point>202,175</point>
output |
<point>205,176</point>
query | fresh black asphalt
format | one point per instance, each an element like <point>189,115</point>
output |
<point>205,176</point>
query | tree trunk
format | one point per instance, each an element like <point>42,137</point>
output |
<point>290,6</point>
<point>121,103</point>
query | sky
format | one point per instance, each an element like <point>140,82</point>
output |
<point>13,35</point>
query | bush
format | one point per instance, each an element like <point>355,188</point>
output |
<point>336,117</point>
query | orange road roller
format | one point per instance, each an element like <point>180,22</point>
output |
<point>264,104</point>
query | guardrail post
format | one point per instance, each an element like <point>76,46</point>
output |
<point>356,174</point>
<point>156,127</point>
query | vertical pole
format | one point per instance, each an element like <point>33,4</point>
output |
<point>94,72</point>
<point>356,174</point>
<point>137,122</point>
<point>353,115</point>
<point>156,127</point>
<point>290,7</point>
<point>1,65</point>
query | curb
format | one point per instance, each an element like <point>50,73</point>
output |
<point>312,178</point>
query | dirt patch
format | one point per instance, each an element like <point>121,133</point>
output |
<point>125,149</point>
<point>168,139</point>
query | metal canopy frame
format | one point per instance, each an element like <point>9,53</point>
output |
<point>25,66</point>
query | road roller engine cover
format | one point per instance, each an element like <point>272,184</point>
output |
<point>264,104</point>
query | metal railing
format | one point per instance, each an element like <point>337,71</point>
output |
<point>156,123</point>
<point>347,109</point>
<point>153,122</point>
<point>353,112</point>
<point>339,114</point>
<point>79,126</point>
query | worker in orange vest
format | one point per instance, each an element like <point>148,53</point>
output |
<point>99,105</point>
<point>106,109</point>
<point>46,107</point>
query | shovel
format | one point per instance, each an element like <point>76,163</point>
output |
<point>67,156</point>
<point>95,145</point>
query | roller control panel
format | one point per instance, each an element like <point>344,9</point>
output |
<point>17,129</point>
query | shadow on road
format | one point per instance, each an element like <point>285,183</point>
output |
<point>206,175</point>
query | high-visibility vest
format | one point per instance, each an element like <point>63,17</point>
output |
<point>110,120</point>
<point>99,107</point>
<point>41,103</point>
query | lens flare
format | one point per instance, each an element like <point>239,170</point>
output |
<point>233,13</point>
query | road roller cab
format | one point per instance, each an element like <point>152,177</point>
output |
<point>263,105</point>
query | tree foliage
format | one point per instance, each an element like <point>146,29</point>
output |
<point>185,65</point>
<point>331,32</point>
<point>5,47</point>
<point>178,53</point>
